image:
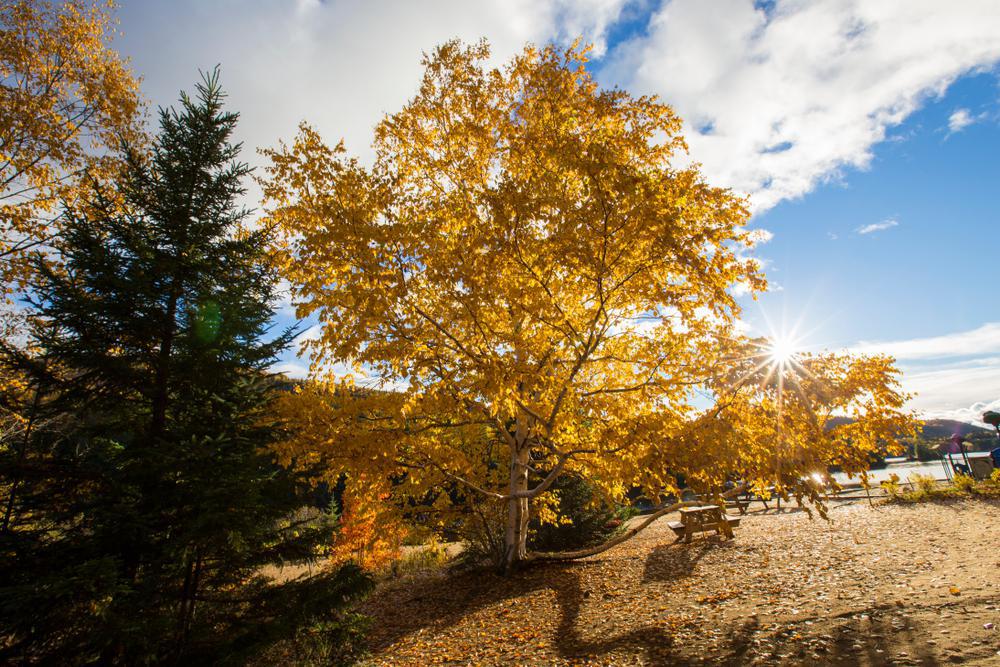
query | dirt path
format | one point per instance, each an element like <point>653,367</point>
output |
<point>890,585</point>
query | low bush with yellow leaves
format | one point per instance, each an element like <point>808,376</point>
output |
<point>892,487</point>
<point>925,488</point>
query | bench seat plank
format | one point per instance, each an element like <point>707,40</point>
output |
<point>678,527</point>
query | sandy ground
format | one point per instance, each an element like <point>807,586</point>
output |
<point>890,585</point>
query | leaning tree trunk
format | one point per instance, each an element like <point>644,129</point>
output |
<point>630,533</point>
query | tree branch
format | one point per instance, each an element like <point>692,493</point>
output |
<point>627,535</point>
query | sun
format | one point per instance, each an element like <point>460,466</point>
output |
<point>782,351</point>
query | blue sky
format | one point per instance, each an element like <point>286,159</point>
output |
<point>866,134</point>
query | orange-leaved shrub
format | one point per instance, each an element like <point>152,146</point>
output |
<point>370,531</point>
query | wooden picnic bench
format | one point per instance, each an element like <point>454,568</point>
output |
<point>741,503</point>
<point>748,497</point>
<point>701,519</point>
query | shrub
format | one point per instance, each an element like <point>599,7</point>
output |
<point>990,487</point>
<point>369,532</point>
<point>924,484</point>
<point>481,530</point>
<point>892,487</point>
<point>926,488</point>
<point>964,484</point>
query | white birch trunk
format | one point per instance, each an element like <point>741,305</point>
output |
<point>516,535</point>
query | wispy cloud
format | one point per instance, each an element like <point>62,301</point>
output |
<point>888,223</point>
<point>954,376</point>
<point>959,120</point>
<point>291,369</point>
<point>980,341</point>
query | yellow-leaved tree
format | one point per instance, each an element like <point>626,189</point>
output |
<point>65,98</point>
<point>545,290</point>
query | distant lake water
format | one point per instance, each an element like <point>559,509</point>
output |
<point>935,469</point>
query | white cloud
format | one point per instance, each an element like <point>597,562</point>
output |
<point>311,333</point>
<point>587,19</point>
<point>972,414</point>
<point>955,392</point>
<point>761,236</point>
<point>878,226</point>
<point>963,118</point>
<point>777,101</point>
<point>340,65</point>
<point>959,120</point>
<point>955,376</point>
<point>291,369</point>
<point>740,289</point>
<point>976,342</point>
<point>283,305</point>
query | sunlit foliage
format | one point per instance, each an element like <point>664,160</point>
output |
<point>532,266</point>
<point>369,531</point>
<point>65,98</point>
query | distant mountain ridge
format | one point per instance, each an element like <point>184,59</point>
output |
<point>945,428</point>
<point>935,428</point>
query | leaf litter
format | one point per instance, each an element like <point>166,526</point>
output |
<point>894,585</point>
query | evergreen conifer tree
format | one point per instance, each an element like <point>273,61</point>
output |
<point>147,510</point>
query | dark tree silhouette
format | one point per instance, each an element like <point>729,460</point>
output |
<point>140,534</point>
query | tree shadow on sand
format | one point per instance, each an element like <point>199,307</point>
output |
<point>652,642</point>
<point>672,562</point>
<point>438,602</point>
<point>575,607</point>
<point>872,636</point>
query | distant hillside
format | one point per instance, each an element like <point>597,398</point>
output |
<point>925,446</point>
<point>945,428</point>
<point>935,429</point>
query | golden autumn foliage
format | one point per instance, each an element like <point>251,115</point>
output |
<point>369,532</point>
<point>545,288</point>
<point>66,98</point>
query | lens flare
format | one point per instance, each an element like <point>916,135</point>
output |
<point>782,351</point>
